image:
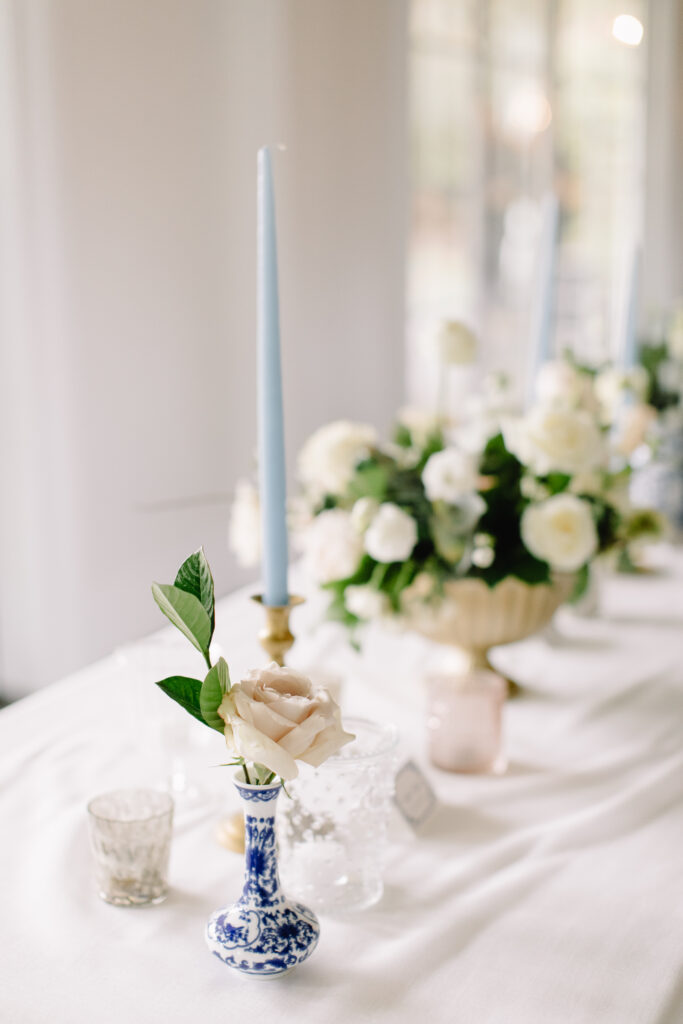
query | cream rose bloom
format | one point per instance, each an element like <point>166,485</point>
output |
<point>332,546</point>
<point>275,718</point>
<point>448,475</point>
<point>329,457</point>
<point>392,534</point>
<point>557,439</point>
<point>560,531</point>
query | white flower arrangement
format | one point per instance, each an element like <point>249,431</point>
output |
<point>542,494</point>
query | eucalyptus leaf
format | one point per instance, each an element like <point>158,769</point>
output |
<point>194,577</point>
<point>184,691</point>
<point>214,688</point>
<point>186,612</point>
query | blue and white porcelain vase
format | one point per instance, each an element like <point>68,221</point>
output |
<point>263,933</point>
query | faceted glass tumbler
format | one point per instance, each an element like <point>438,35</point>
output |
<point>465,721</point>
<point>333,830</point>
<point>130,837</point>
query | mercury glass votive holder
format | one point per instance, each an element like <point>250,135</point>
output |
<point>465,721</point>
<point>130,837</point>
<point>333,828</point>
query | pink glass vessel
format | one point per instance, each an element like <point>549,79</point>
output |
<point>465,721</point>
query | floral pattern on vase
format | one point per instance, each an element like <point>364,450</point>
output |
<point>263,933</point>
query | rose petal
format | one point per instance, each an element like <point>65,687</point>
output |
<point>302,736</point>
<point>294,709</point>
<point>269,722</point>
<point>285,680</point>
<point>328,742</point>
<point>252,745</point>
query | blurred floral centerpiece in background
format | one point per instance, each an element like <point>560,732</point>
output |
<point>523,502</point>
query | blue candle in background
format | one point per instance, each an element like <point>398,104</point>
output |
<point>542,317</point>
<point>271,442</point>
<point>629,341</point>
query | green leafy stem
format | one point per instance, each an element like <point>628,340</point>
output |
<point>189,603</point>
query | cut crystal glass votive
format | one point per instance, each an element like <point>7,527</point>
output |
<point>130,837</point>
<point>465,721</point>
<point>333,830</point>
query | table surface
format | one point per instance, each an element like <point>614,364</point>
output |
<point>551,895</point>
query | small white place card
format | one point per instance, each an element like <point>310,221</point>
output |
<point>414,797</point>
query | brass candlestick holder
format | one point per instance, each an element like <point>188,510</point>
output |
<point>275,638</point>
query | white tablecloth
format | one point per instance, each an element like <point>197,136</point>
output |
<point>553,895</point>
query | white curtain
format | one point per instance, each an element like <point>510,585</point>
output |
<point>128,136</point>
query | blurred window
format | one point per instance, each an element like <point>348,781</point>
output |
<point>509,99</point>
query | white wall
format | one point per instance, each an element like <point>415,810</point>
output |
<point>127,380</point>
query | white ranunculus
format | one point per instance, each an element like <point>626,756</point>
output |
<point>366,602</point>
<point>363,512</point>
<point>555,440</point>
<point>448,475</point>
<point>457,345</point>
<point>274,717</point>
<point>560,531</point>
<point>392,534</point>
<point>330,455</point>
<point>244,531</point>
<point>332,546</point>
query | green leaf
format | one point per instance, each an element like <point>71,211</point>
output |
<point>581,585</point>
<point>557,482</point>
<point>214,688</point>
<point>186,612</point>
<point>194,577</point>
<point>369,481</point>
<point>184,691</point>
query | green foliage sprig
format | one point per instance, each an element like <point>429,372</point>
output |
<point>189,604</point>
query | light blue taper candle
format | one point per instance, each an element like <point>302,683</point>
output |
<point>271,442</point>
<point>544,298</point>
<point>629,342</point>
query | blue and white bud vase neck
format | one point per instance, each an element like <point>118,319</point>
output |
<point>263,933</point>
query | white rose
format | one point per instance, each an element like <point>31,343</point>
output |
<point>366,602</point>
<point>612,384</point>
<point>448,475</point>
<point>633,426</point>
<point>587,483</point>
<point>363,512</point>
<point>421,423</point>
<point>555,440</point>
<point>329,457</point>
<point>558,382</point>
<point>560,531</point>
<point>392,534</point>
<point>456,344</point>
<point>274,717</point>
<point>333,547</point>
<point>244,531</point>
